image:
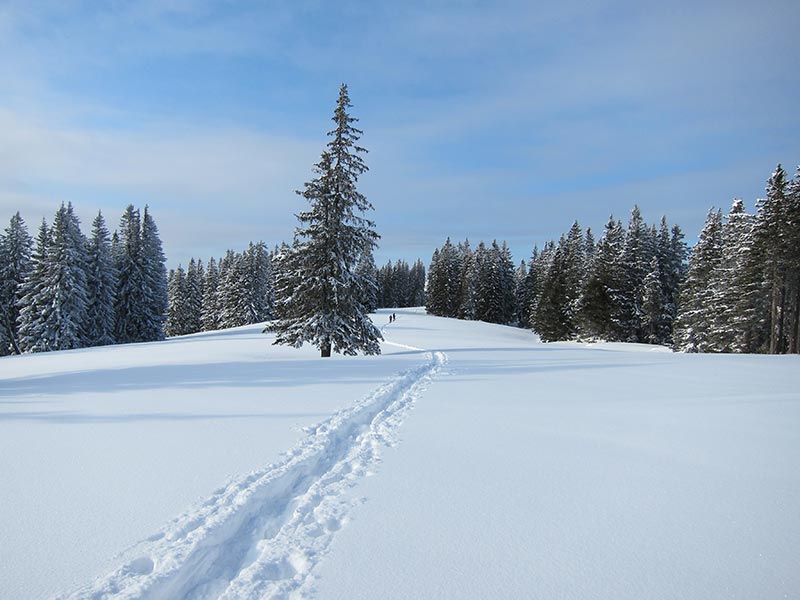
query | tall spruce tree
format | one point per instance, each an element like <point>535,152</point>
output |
<point>258,276</point>
<point>467,282</point>
<point>34,303</point>
<point>235,294</point>
<point>444,281</point>
<point>655,316</point>
<point>15,265</point>
<point>127,254</point>
<point>693,326</point>
<point>556,315</point>
<point>63,289</point>
<point>726,281</point>
<point>177,313</point>
<point>320,296</point>
<point>154,279</point>
<point>775,238</point>
<point>793,262</point>
<point>521,293</point>
<point>637,253</point>
<point>550,318</point>
<point>194,296</point>
<point>435,298</point>
<point>417,276</point>
<point>211,313</point>
<point>368,272</point>
<point>602,285</point>
<point>101,283</point>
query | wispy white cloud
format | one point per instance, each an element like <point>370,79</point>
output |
<point>508,104</point>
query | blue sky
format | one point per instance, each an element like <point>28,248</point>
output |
<point>506,119</point>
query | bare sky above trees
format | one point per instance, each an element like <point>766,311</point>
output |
<point>506,119</point>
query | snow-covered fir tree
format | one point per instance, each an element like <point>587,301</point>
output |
<point>776,237</point>
<point>671,254</point>
<point>210,308</point>
<point>467,282</point>
<point>154,277</point>
<point>556,314</point>
<point>526,293</point>
<point>495,286</point>
<point>101,284</point>
<point>521,293</point>
<point>194,296</point>
<point>34,306</point>
<point>444,281</point>
<point>258,282</point>
<point>601,286</point>
<point>62,288</point>
<point>142,300</point>
<point>741,293</point>
<point>127,255</point>
<point>319,295</point>
<point>234,295</point>
<point>637,252</point>
<point>177,311</point>
<point>792,232</point>
<point>15,265</point>
<point>727,283</point>
<point>368,272</point>
<point>655,318</point>
<point>696,314</point>
<point>416,295</point>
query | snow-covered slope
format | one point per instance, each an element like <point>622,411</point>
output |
<point>219,465</point>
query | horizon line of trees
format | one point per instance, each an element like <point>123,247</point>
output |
<point>621,288</point>
<point>738,290</point>
<point>70,291</point>
<point>400,285</point>
<point>742,291</point>
<point>235,290</point>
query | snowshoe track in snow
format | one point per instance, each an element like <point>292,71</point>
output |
<point>260,536</point>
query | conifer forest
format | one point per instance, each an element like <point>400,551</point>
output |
<point>736,290</point>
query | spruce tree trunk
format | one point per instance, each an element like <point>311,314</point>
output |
<point>780,341</point>
<point>12,335</point>
<point>326,349</point>
<point>773,320</point>
<point>795,349</point>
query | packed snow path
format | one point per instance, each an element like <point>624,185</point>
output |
<point>260,536</point>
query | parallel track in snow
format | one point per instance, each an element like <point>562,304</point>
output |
<point>261,536</point>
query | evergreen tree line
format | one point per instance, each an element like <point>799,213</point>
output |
<point>742,291</point>
<point>401,286</point>
<point>623,287</point>
<point>476,285</point>
<point>739,291</point>
<point>67,291</point>
<point>233,291</point>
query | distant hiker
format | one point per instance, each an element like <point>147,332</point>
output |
<point>394,317</point>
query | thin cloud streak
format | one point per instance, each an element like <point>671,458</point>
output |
<point>494,119</point>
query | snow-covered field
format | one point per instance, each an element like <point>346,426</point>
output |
<point>218,465</point>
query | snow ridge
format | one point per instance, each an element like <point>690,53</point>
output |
<point>262,535</point>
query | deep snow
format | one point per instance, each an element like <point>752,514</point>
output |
<point>505,468</point>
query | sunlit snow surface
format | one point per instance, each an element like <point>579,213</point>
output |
<point>220,465</point>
